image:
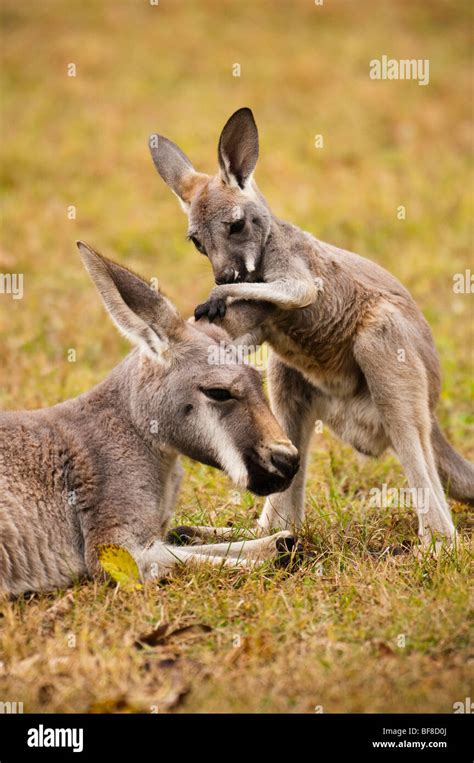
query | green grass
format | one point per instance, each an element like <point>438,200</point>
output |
<point>326,635</point>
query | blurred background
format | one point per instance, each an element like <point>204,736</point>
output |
<point>82,141</point>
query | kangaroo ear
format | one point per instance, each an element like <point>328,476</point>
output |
<point>238,148</point>
<point>142,314</point>
<point>175,169</point>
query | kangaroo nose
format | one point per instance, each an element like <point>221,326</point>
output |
<point>286,461</point>
<point>229,275</point>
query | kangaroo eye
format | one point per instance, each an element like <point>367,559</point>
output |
<point>217,393</point>
<point>237,226</point>
<point>198,245</point>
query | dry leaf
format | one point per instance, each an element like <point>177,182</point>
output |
<point>167,684</point>
<point>61,605</point>
<point>118,704</point>
<point>382,647</point>
<point>154,638</point>
<point>120,565</point>
<point>58,609</point>
<point>23,666</point>
<point>236,652</point>
<point>59,665</point>
<point>45,693</point>
<point>162,635</point>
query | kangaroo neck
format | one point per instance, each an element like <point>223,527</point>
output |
<point>284,241</point>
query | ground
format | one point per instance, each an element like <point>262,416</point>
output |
<point>359,630</point>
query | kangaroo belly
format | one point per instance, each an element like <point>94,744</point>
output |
<point>343,400</point>
<point>333,370</point>
<point>40,548</point>
<point>41,545</point>
<point>354,420</point>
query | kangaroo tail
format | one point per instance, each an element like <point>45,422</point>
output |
<point>456,473</point>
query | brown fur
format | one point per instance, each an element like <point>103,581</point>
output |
<point>351,347</point>
<point>104,468</point>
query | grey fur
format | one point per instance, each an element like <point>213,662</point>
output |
<point>350,345</point>
<point>104,467</point>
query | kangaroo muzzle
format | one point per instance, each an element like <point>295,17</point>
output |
<point>286,462</point>
<point>271,469</point>
<point>239,269</point>
<point>228,275</point>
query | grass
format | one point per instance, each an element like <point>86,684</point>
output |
<point>330,636</point>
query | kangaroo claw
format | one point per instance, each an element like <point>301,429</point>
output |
<point>180,536</point>
<point>290,552</point>
<point>215,307</point>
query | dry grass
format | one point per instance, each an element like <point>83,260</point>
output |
<point>277,642</point>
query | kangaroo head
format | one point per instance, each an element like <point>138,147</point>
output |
<point>229,220</point>
<point>186,392</point>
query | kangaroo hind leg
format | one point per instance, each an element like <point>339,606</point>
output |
<point>398,385</point>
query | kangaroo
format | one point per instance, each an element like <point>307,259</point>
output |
<point>350,346</point>
<point>103,468</point>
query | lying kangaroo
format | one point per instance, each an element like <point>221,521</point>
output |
<point>104,468</point>
<point>351,348</point>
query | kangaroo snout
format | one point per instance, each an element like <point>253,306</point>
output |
<point>229,275</point>
<point>236,275</point>
<point>286,461</point>
<point>271,468</point>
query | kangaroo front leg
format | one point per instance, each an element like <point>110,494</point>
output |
<point>186,535</point>
<point>294,403</point>
<point>258,550</point>
<point>161,559</point>
<point>245,321</point>
<point>170,495</point>
<point>299,291</point>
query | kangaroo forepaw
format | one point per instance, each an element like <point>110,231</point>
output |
<point>215,307</point>
<point>181,536</point>
<point>290,551</point>
<point>399,549</point>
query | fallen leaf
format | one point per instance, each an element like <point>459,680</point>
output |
<point>118,704</point>
<point>162,635</point>
<point>167,683</point>
<point>234,654</point>
<point>23,666</point>
<point>120,565</point>
<point>167,662</point>
<point>382,647</point>
<point>45,693</point>
<point>59,665</point>
<point>58,609</point>
<point>188,631</point>
<point>154,638</point>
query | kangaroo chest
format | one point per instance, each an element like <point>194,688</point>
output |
<point>326,362</point>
